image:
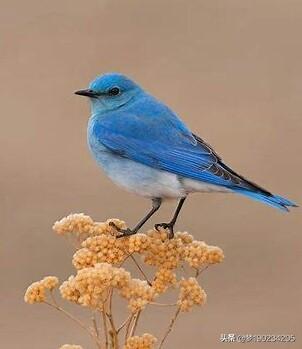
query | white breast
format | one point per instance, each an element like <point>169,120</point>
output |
<point>144,180</point>
<point>149,182</point>
<point>140,179</point>
<point>192,186</point>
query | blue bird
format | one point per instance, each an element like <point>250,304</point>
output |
<point>144,147</point>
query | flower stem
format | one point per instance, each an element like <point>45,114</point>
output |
<point>95,326</point>
<point>199,271</point>
<point>105,327</point>
<point>141,270</point>
<point>135,321</point>
<point>172,322</point>
<point>163,304</point>
<point>124,323</point>
<point>128,327</point>
<point>113,332</point>
<point>79,322</point>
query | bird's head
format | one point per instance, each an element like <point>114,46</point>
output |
<point>110,91</point>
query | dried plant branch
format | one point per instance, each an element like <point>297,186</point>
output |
<point>98,262</point>
<point>134,325</point>
<point>199,271</point>
<point>110,304</point>
<point>128,327</point>
<point>123,324</point>
<point>163,304</point>
<point>105,328</point>
<point>141,270</point>
<point>76,320</point>
<point>94,323</point>
<point>73,318</point>
<point>113,332</point>
<point>172,322</point>
<point>125,259</point>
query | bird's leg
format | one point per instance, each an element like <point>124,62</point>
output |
<point>170,225</point>
<point>156,203</point>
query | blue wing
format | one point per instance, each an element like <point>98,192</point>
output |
<point>153,135</point>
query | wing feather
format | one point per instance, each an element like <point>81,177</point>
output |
<point>161,140</point>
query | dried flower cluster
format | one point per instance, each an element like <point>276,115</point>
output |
<point>190,294</point>
<point>138,293</point>
<point>82,225</point>
<point>100,276</point>
<point>146,341</point>
<point>36,292</point>
<point>163,279</point>
<point>91,285</point>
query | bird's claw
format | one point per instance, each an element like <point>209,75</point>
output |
<point>125,232</point>
<point>168,226</point>
<point>122,232</point>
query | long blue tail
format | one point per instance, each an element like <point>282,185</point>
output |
<point>271,200</point>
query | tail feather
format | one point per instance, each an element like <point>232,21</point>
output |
<point>271,200</point>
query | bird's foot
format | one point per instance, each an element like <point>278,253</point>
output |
<point>168,226</point>
<point>125,232</point>
<point>122,232</point>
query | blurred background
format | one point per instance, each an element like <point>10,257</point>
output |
<point>232,70</point>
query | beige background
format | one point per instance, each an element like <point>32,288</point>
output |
<point>232,69</point>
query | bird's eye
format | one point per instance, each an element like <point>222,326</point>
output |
<point>114,91</point>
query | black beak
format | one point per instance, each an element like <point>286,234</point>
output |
<point>87,93</point>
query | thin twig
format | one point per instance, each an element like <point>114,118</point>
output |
<point>105,328</point>
<point>141,270</point>
<point>113,332</point>
<point>170,327</point>
<point>163,304</point>
<point>73,318</point>
<point>53,298</point>
<point>110,301</point>
<point>109,312</point>
<point>94,323</point>
<point>128,327</point>
<point>123,324</point>
<point>199,271</point>
<point>136,317</point>
<point>124,260</point>
<point>79,322</point>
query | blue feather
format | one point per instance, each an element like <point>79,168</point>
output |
<point>273,200</point>
<point>136,126</point>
